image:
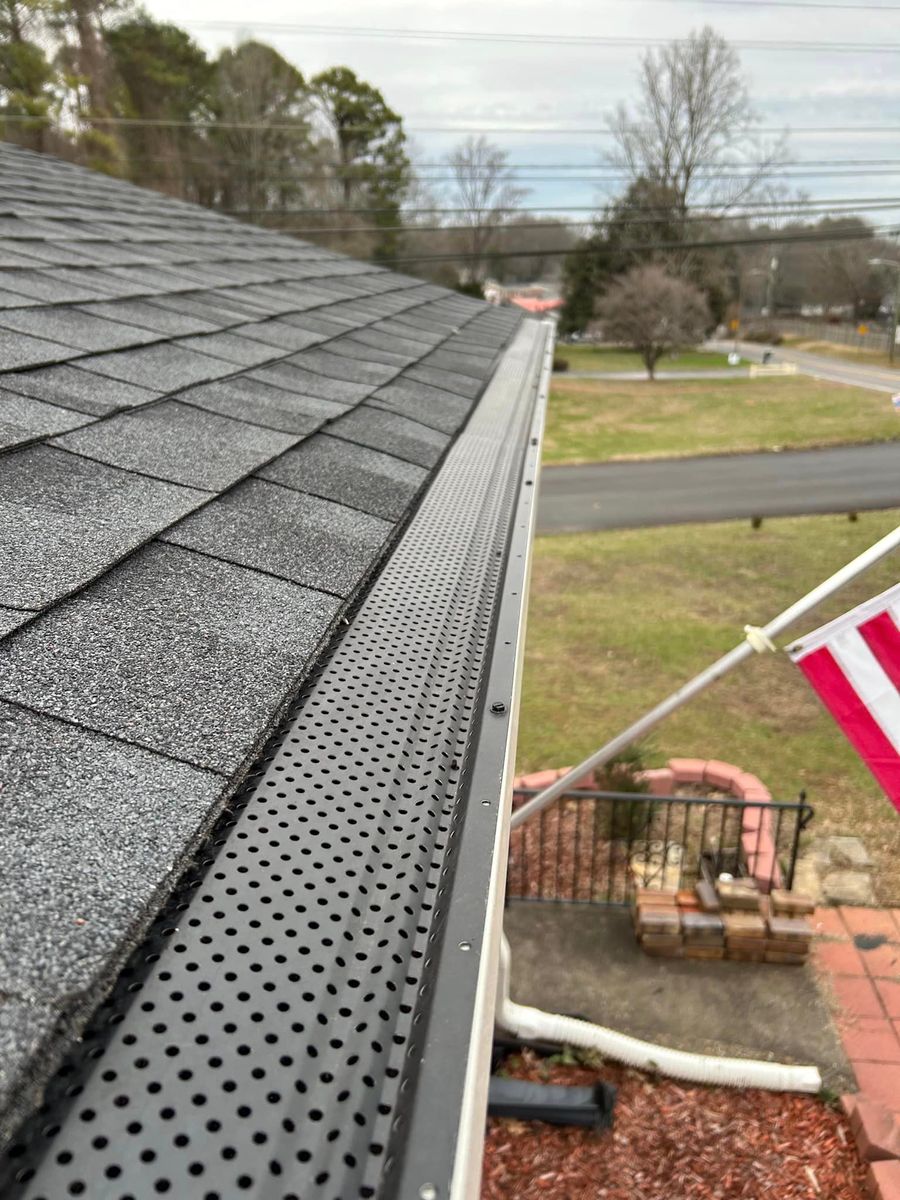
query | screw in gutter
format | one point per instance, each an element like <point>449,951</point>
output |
<point>498,707</point>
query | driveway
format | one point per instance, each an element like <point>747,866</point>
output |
<point>718,488</point>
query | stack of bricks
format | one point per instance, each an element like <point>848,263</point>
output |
<point>730,920</point>
<point>657,922</point>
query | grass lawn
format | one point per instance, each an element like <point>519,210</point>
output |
<point>867,358</point>
<point>590,420</point>
<point>614,358</point>
<point>619,619</point>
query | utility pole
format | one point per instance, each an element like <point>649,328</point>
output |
<point>892,335</point>
<point>770,287</point>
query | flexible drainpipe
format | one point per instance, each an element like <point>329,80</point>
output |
<point>532,1024</point>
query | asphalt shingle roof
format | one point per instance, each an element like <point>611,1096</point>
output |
<point>210,436</point>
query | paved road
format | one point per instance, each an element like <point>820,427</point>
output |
<point>877,379</point>
<point>641,376</point>
<point>720,487</point>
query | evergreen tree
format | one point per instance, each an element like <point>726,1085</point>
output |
<point>26,75</point>
<point>263,145</point>
<point>371,167</point>
<point>161,75</point>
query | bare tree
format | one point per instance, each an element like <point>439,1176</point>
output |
<point>485,191</point>
<point>692,129</point>
<point>653,313</point>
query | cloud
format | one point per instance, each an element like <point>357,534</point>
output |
<point>497,83</point>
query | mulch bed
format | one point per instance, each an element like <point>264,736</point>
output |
<point>673,1141</point>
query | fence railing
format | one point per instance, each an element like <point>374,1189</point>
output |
<point>875,338</point>
<point>593,847</point>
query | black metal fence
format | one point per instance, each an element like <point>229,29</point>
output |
<point>595,847</point>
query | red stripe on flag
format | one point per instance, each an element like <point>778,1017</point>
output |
<point>883,638</point>
<point>859,726</point>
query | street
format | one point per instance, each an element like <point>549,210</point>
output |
<point>718,487</point>
<point>836,370</point>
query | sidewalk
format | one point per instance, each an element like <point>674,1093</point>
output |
<point>858,952</point>
<point>858,958</point>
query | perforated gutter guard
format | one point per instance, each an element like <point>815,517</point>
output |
<point>312,1014</point>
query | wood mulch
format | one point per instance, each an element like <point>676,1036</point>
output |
<point>673,1141</point>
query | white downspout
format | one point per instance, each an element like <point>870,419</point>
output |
<point>531,1024</point>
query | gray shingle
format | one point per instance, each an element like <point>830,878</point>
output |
<point>166,364</point>
<point>381,430</point>
<point>23,419</point>
<point>200,305</point>
<point>395,329</point>
<point>302,538</point>
<point>179,443</point>
<point>72,387</point>
<point>95,827</point>
<point>26,1026</point>
<point>280,335</point>
<point>14,254</point>
<point>53,285</point>
<point>418,324</point>
<point>348,347</point>
<point>53,253</point>
<point>377,338</point>
<point>294,379</point>
<point>149,315</point>
<point>249,400</point>
<point>65,520</point>
<point>174,651</point>
<point>336,366</point>
<point>320,323</point>
<point>10,619</point>
<point>15,300</point>
<point>450,381</point>
<point>355,475</point>
<point>474,366</point>
<point>72,327</point>
<point>19,350</point>
<point>420,402</point>
<point>241,351</point>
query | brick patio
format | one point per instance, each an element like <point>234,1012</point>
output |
<point>858,952</point>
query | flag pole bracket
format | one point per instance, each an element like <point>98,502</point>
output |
<point>759,640</point>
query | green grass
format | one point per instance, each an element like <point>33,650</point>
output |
<point>590,420</point>
<point>618,620</point>
<point>614,358</point>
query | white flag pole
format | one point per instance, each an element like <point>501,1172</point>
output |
<point>755,640</point>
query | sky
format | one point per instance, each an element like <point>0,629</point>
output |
<point>501,86</point>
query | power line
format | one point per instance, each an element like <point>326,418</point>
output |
<point>337,168</point>
<point>735,209</point>
<point>276,127</point>
<point>516,227</point>
<point>538,39</point>
<point>638,247</point>
<point>789,4</point>
<point>617,180</point>
<point>702,177</point>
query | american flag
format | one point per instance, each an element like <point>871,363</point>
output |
<point>853,663</point>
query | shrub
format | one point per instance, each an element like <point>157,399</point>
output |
<point>763,336</point>
<point>560,363</point>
